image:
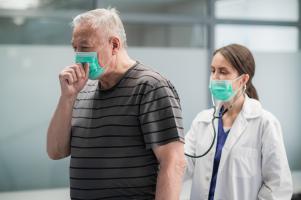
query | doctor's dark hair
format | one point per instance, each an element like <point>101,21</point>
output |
<point>242,60</point>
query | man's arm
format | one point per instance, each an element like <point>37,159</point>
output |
<point>172,167</point>
<point>58,135</point>
<point>72,80</point>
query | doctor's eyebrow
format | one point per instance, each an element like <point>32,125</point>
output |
<point>220,68</point>
<point>212,66</point>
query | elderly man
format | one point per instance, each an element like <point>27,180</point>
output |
<point>123,130</point>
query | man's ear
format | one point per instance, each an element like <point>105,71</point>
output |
<point>115,45</point>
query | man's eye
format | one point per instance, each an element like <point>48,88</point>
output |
<point>85,47</point>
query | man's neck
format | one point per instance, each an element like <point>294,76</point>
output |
<point>116,72</point>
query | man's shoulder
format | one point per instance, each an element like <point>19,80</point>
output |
<point>145,74</point>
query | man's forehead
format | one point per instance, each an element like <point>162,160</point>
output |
<point>81,40</point>
<point>81,31</point>
<point>85,35</point>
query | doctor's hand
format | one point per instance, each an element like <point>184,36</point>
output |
<point>73,79</point>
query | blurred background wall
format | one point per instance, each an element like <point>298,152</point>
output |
<point>175,37</point>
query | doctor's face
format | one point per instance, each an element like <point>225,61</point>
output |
<point>221,69</point>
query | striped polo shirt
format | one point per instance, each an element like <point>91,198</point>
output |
<point>113,134</point>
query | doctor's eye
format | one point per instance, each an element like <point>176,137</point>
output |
<point>223,72</point>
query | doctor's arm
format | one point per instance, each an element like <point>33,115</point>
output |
<point>276,175</point>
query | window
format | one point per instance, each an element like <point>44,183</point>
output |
<point>258,38</point>
<point>166,35</point>
<point>281,10</point>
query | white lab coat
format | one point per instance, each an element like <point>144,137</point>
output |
<point>253,163</point>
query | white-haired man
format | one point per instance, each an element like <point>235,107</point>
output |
<point>123,130</point>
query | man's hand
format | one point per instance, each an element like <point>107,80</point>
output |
<point>73,79</point>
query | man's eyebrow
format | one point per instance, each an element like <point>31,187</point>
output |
<point>81,42</point>
<point>84,41</point>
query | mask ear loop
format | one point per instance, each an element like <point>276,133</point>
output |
<point>242,93</point>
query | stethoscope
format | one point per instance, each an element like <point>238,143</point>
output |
<point>214,117</point>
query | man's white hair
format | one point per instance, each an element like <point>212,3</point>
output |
<point>108,20</point>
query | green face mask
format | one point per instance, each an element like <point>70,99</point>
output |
<point>222,90</point>
<point>95,70</point>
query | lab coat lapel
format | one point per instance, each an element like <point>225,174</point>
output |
<point>207,118</point>
<point>237,129</point>
<point>210,156</point>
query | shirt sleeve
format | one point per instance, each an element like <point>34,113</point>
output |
<point>160,115</point>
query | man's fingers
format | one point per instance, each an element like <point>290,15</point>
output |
<point>78,71</point>
<point>67,76</point>
<point>73,73</point>
<point>81,68</point>
<point>87,69</point>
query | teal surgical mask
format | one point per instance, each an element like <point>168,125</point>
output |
<point>222,90</point>
<point>95,70</point>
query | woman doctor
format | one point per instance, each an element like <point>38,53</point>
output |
<point>247,160</point>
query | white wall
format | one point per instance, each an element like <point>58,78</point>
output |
<point>29,93</point>
<point>277,79</point>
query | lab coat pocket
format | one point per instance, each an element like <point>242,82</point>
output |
<point>244,161</point>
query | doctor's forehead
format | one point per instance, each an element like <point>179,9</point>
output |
<point>219,61</point>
